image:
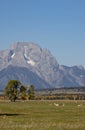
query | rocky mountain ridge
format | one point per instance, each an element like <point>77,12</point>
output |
<point>39,62</point>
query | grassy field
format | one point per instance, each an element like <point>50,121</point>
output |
<point>42,115</point>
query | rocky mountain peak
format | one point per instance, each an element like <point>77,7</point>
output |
<point>31,56</point>
<point>31,53</point>
<point>40,62</point>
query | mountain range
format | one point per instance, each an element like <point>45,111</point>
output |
<point>31,64</point>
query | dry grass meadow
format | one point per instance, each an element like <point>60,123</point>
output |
<point>42,115</point>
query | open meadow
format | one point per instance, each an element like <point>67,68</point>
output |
<point>42,115</point>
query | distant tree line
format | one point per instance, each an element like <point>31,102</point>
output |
<point>15,90</point>
<point>61,97</point>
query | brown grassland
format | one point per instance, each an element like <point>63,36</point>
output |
<point>42,115</point>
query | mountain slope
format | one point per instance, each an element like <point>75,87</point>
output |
<point>24,75</point>
<point>32,57</point>
<point>31,61</point>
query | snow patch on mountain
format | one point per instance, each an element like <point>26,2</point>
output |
<point>28,59</point>
<point>12,56</point>
<point>25,55</point>
<point>31,62</point>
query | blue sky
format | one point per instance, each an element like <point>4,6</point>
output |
<point>58,25</point>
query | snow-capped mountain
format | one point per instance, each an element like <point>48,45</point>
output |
<point>39,62</point>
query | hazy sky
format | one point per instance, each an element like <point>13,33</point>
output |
<point>58,25</point>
